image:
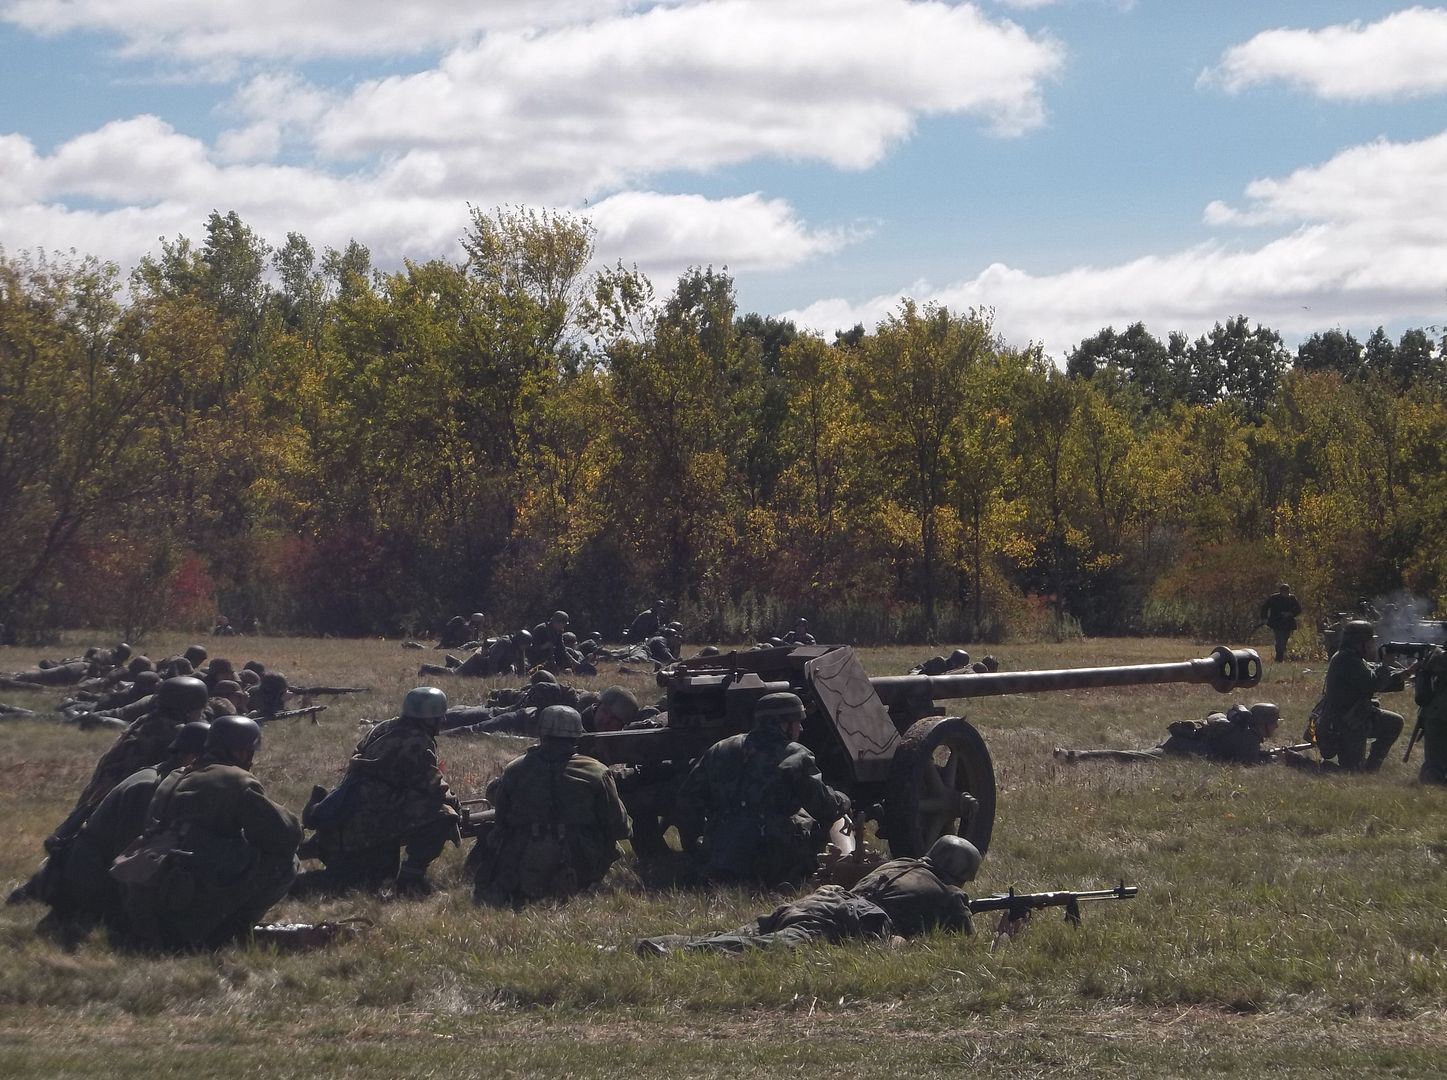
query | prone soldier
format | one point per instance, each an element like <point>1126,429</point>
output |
<point>1234,736</point>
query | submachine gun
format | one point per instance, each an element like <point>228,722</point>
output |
<point>883,741</point>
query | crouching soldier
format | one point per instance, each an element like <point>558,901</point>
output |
<point>558,820</point>
<point>393,797</point>
<point>216,854</point>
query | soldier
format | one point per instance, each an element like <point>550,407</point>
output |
<point>454,634</point>
<point>144,742</point>
<point>615,709</point>
<point>664,648</point>
<point>76,882</point>
<point>392,797</point>
<point>511,711</point>
<point>904,897</point>
<point>800,634</point>
<point>1279,612</point>
<point>1348,716</point>
<point>1431,696</point>
<point>942,665</point>
<point>1234,736</point>
<point>268,696</point>
<point>759,801</point>
<point>558,820</point>
<point>216,854</point>
<point>223,627</point>
<point>547,646</point>
<point>646,623</point>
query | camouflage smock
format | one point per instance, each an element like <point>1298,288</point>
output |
<point>399,787</point>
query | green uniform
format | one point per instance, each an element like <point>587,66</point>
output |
<point>1348,716</point>
<point>1431,697</point>
<point>903,896</point>
<point>761,805</point>
<point>1232,740</point>
<point>396,798</point>
<point>145,742</point>
<point>558,823</point>
<point>216,855</point>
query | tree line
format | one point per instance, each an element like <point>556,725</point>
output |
<point>310,443</point>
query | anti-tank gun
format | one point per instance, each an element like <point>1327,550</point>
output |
<point>884,741</point>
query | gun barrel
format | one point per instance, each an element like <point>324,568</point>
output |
<point>1224,669</point>
<point>1013,901</point>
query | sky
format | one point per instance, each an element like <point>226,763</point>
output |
<point>1067,164</point>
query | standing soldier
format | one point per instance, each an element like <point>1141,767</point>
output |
<point>759,800</point>
<point>392,797</point>
<point>1431,697</point>
<point>1348,716</point>
<point>217,853</point>
<point>1280,612</point>
<point>558,820</point>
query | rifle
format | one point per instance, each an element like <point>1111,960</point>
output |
<point>317,691</point>
<point>1417,733</point>
<point>1017,906</point>
<point>1294,748</point>
<point>310,710</point>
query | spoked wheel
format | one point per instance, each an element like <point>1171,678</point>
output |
<point>937,762</point>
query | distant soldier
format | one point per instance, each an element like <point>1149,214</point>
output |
<point>547,647</point>
<point>1234,736</point>
<point>223,627</point>
<point>393,797</point>
<point>646,623</point>
<point>558,820</point>
<point>509,711</point>
<point>216,854</point>
<point>985,665</point>
<point>942,665</point>
<point>904,897</point>
<point>1431,697</point>
<point>800,634</point>
<point>759,801</point>
<point>455,634</point>
<point>664,648</point>
<point>1279,612</point>
<point>76,881</point>
<point>268,696</point>
<point>1348,715</point>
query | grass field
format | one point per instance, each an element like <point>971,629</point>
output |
<point>1287,924</point>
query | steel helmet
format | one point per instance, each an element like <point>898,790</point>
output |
<point>954,859</point>
<point>424,703</point>
<point>560,722</point>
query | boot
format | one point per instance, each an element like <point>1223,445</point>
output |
<point>412,883</point>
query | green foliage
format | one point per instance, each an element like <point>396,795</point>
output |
<point>343,450</point>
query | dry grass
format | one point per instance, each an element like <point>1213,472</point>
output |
<point>1286,924</point>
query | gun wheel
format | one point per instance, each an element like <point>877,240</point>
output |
<point>937,761</point>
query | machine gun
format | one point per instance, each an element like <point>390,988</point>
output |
<point>1418,650</point>
<point>883,741</point>
<point>330,691</point>
<point>1017,906</point>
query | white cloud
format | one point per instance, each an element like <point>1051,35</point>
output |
<point>1404,55</point>
<point>703,86</point>
<point>1367,244</point>
<point>679,231</point>
<point>224,29</point>
<point>564,117</point>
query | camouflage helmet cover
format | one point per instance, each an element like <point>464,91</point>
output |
<point>954,859</point>
<point>560,722</point>
<point>779,709</point>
